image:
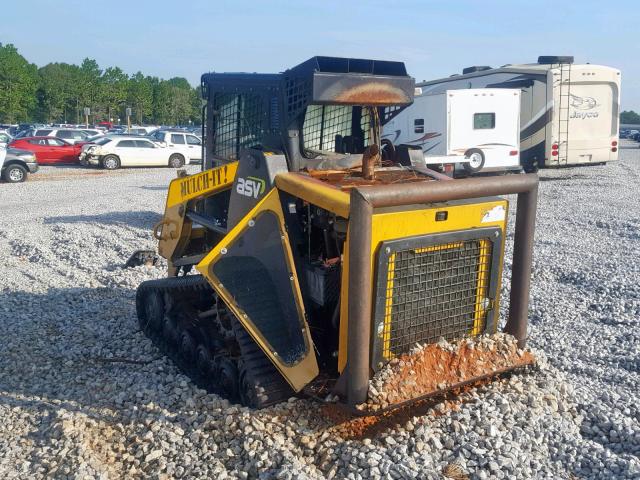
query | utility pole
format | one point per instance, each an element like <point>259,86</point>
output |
<point>128,112</point>
<point>10,103</point>
<point>87,112</point>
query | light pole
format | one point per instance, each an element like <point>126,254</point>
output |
<point>128,112</point>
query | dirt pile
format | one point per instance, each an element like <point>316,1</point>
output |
<point>438,366</point>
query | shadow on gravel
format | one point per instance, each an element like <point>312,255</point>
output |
<point>74,361</point>
<point>66,345</point>
<point>577,176</point>
<point>154,188</point>
<point>142,219</point>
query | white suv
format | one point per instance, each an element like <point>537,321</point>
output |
<point>71,135</point>
<point>111,152</point>
<point>5,139</point>
<point>186,143</point>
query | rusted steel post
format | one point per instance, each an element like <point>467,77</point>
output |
<point>430,192</point>
<point>359,328</point>
<point>521,268</point>
<point>369,159</point>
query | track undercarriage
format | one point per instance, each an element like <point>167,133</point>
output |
<point>188,322</point>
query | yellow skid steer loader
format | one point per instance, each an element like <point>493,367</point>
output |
<point>309,251</point>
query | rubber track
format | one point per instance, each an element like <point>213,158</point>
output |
<point>270,385</point>
<point>260,371</point>
<point>174,286</point>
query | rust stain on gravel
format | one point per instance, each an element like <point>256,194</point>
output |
<point>435,369</point>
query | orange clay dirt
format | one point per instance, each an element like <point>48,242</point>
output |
<point>348,427</point>
<point>439,366</point>
<point>432,368</point>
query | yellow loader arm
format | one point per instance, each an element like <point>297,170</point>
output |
<point>176,228</point>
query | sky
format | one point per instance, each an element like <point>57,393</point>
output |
<point>434,38</point>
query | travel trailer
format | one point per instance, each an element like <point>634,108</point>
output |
<point>569,112</point>
<point>476,129</point>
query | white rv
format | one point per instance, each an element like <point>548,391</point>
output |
<point>569,113</point>
<point>478,129</point>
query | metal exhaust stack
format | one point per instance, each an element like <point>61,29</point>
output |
<point>370,158</point>
<point>363,202</point>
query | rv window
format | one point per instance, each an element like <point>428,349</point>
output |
<point>483,121</point>
<point>418,125</point>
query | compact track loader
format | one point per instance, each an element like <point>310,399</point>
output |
<point>307,252</point>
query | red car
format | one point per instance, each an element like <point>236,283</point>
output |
<point>50,150</point>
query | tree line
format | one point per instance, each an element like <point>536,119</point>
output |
<point>60,92</point>
<point>630,117</point>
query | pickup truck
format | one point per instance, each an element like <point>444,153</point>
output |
<point>16,164</point>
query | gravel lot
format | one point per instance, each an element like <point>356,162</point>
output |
<point>83,394</point>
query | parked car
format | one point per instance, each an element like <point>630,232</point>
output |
<point>189,145</point>
<point>139,131</point>
<point>25,130</point>
<point>5,139</point>
<point>98,140</point>
<point>70,135</point>
<point>632,134</point>
<point>92,132</point>
<point>15,164</point>
<point>131,151</point>
<point>49,150</point>
<point>93,138</point>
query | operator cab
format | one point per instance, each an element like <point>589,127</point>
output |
<point>323,113</point>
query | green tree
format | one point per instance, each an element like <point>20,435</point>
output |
<point>630,117</point>
<point>140,97</point>
<point>18,84</point>
<point>161,100</point>
<point>114,89</point>
<point>57,93</point>
<point>182,98</point>
<point>89,88</point>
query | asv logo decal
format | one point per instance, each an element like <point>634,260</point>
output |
<point>250,187</point>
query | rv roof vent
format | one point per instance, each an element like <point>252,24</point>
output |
<point>551,59</point>
<point>475,68</point>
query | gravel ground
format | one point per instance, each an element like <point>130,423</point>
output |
<point>83,394</point>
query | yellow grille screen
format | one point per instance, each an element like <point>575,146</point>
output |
<point>436,291</point>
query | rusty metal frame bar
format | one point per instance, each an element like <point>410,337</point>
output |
<point>362,204</point>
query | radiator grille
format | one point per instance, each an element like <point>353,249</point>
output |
<point>436,291</point>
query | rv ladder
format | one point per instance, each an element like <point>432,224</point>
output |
<point>564,100</point>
